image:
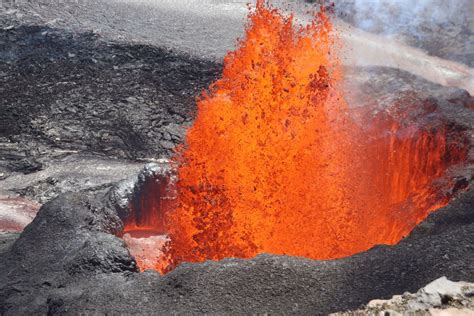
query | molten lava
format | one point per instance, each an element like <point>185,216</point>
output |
<point>276,163</point>
<point>144,228</point>
<point>264,166</point>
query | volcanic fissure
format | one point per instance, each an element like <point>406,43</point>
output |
<point>278,162</point>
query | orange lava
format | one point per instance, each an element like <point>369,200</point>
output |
<point>275,163</point>
<point>404,156</point>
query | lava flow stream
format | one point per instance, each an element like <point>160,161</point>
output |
<point>276,163</point>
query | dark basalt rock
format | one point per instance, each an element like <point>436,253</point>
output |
<point>71,236</point>
<point>6,240</point>
<point>80,92</point>
<point>25,166</point>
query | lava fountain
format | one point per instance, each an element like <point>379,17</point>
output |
<point>276,162</point>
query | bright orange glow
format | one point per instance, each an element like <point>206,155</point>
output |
<point>276,163</point>
<point>404,155</point>
<point>264,166</point>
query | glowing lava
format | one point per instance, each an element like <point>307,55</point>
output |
<point>264,167</point>
<point>275,163</point>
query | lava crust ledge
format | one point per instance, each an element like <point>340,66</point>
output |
<point>68,260</point>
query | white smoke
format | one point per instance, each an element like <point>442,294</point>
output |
<point>415,16</point>
<point>432,39</point>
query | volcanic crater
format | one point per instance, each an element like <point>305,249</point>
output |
<point>179,235</point>
<point>419,160</point>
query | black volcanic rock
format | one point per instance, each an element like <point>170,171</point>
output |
<point>70,237</point>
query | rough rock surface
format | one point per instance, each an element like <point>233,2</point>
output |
<point>454,298</point>
<point>16,213</point>
<point>208,28</point>
<point>86,94</point>
<point>439,27</point>
<point>6,240</point>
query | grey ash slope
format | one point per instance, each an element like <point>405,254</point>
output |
<point>68,261</point>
